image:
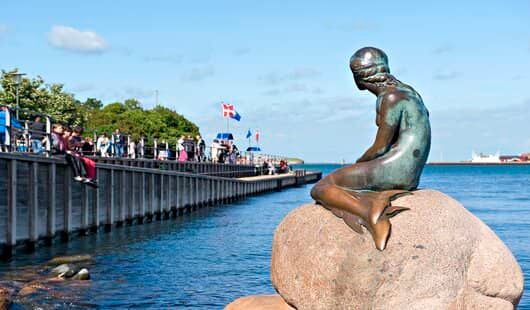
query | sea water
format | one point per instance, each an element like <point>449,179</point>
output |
<point>206,259</point>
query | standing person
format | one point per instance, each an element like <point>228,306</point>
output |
<point>189,145</point>
<point>180,145</point>
<point>232,155</point>
<point>110,147</point>
<point>236,152</point>
<point>118,142</point>
<point>87,147</point>
<point>132,149</point>
<point>37,130</point>
<point>215,150</point>
<point>3,127</point>
<point>265,167</point>
<point>272,170</point>
<point>102,145</point>
<point>3,111</point>
<point>201,148</point>
<point>183,155</point>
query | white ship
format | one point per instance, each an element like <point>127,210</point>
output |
<point>485,158</point>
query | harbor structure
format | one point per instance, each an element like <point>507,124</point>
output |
<point>40,203</point>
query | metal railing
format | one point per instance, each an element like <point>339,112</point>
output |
<point>20,136</point>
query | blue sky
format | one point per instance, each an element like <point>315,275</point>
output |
<point>284,65</point>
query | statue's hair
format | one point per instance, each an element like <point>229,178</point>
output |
<point>378,75</point>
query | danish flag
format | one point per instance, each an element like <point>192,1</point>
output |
<point>229,111</point>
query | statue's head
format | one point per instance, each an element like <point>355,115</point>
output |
<point>368,65</point>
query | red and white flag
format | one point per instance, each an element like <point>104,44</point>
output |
<point>257,136</point>
<point>230,111</point>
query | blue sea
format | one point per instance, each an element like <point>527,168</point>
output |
<point>206,259</point>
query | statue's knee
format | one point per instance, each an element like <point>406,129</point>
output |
<point>316,192</point>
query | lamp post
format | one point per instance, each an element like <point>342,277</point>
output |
<point>17,78</point>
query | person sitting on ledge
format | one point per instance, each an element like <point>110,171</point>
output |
<point>83,168</point>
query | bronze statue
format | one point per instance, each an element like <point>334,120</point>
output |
<point>362,193</point>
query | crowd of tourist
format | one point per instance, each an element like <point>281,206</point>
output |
<point>225,151</point>
<point>75,146</point>
<point>34,139</point>
<point>269,168</point>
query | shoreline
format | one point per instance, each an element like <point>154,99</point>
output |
<point>460,163</point>
<point>448,163</point>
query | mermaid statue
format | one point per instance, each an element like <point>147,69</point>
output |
<point>362,193</point>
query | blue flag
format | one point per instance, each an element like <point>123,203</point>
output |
<point>236,116</point>
<point>249,134</point>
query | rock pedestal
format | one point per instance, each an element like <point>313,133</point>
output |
<point>259,302</point>
<point>439,256</point>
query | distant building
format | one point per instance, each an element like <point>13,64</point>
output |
<point>525,157</point>
<point>488,158</point>
<point>485,158</point>
<point>510,158</point>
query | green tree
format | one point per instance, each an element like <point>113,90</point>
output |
<point>35,95</point>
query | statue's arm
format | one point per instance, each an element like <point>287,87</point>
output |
<point>389,118</point>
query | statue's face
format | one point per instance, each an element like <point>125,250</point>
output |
<point>359,83</point>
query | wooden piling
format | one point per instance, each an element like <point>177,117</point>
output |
<point>33,204</point>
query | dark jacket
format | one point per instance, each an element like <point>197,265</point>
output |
<point>37,130</point>
<point>118,139</point>
<point>58,144</point>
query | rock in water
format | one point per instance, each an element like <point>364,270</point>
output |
<point>82,275</point>
<point>6,295</point>
<point>73,259</point>
<point>439,256</point>
<point>64,270</point>
<point>259,302</point>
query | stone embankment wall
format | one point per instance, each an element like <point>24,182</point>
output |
<point>40,202</point>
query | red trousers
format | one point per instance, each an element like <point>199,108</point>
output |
<point>90,167</point>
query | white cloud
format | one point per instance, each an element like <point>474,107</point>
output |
<point>74,40</point>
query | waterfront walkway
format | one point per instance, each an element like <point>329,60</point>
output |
<point>40,202</point>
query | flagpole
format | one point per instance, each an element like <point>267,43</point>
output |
<point>228,124</point>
